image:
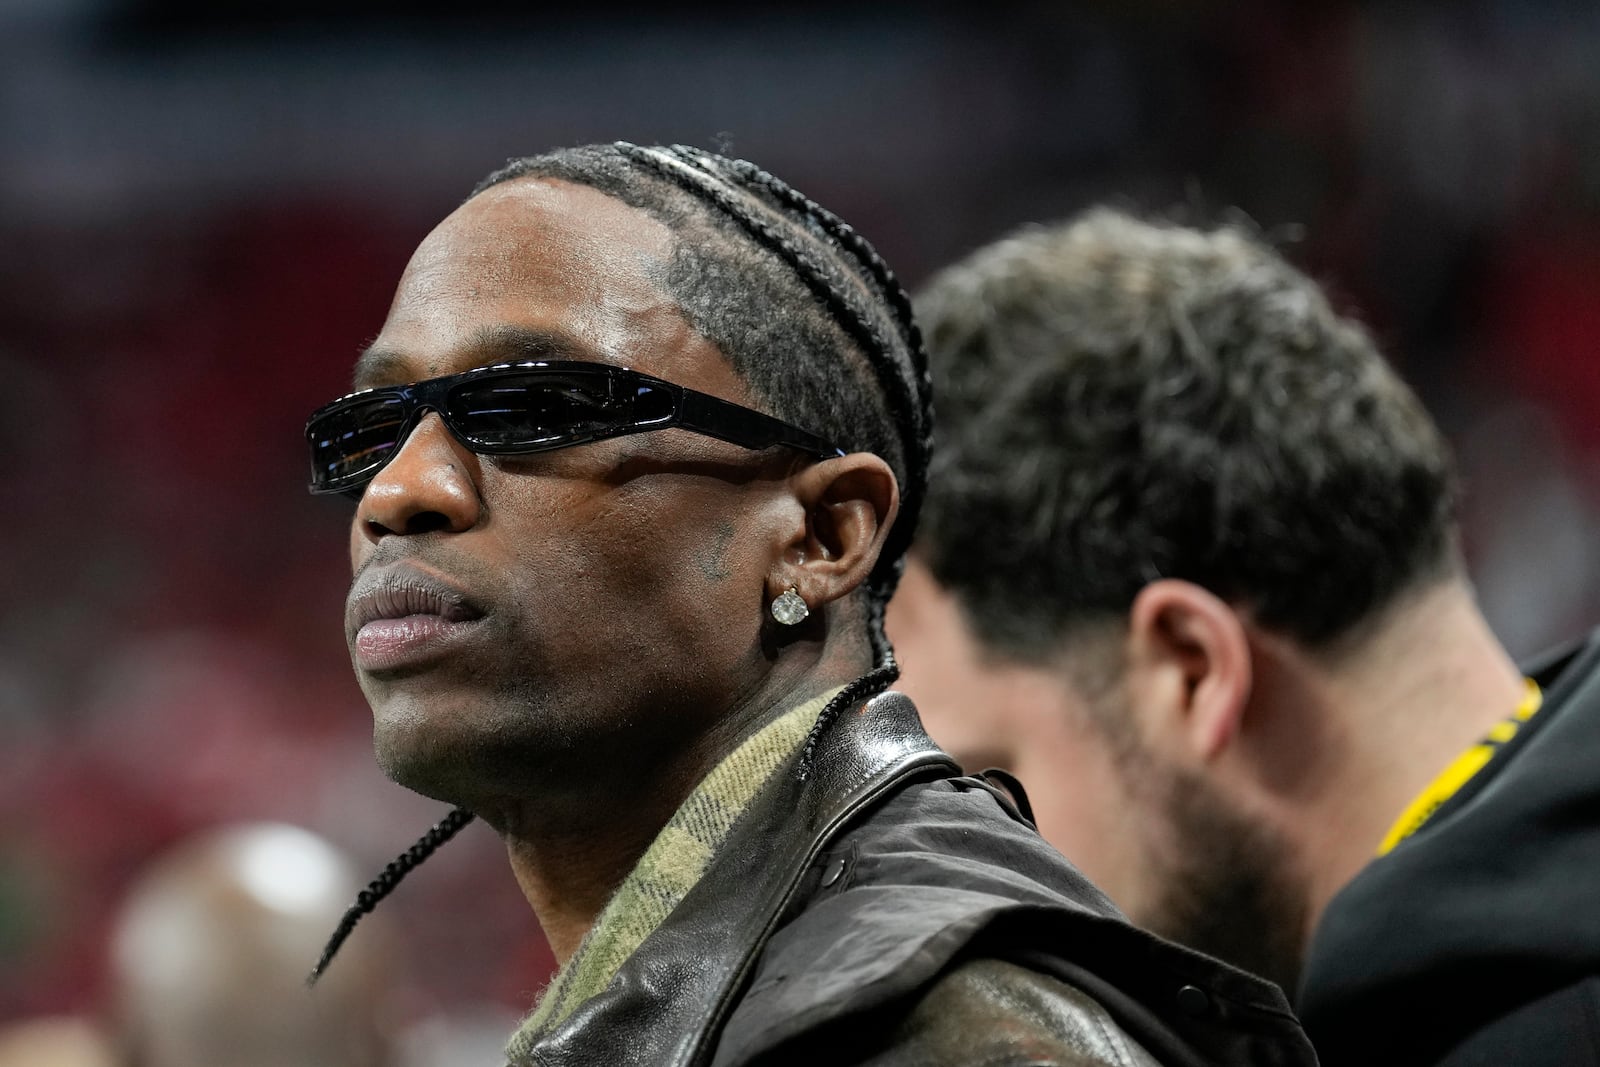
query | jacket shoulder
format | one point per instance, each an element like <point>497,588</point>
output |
<point>994,1012</point>
<point>982,1012</point>
<point>943,876</point>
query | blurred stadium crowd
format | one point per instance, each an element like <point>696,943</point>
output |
<point>201,216</point>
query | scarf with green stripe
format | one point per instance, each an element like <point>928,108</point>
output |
<point>666,872</point>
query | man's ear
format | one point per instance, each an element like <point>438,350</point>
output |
<point>849,504</point>
<point>1189,659</point>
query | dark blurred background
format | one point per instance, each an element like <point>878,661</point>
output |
<point>205,207</point>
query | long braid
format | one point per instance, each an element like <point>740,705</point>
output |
<point>386,881</point>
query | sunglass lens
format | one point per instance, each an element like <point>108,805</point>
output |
<point>507,413</point>
<point>355,440</point>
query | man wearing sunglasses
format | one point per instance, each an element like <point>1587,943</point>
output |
<point>635,457</point>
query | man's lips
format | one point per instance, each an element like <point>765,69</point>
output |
<point>398,617</point>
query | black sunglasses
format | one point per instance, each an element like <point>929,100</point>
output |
<point>516,408</point>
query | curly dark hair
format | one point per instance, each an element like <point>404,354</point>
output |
<point>1124,400</point>
<point>811,318</point>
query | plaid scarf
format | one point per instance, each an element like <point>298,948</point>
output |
<point>666,872</point>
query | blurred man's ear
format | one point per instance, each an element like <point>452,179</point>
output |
<point>1189,670</point>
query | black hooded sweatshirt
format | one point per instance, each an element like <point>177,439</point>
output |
<point>1477,939</point>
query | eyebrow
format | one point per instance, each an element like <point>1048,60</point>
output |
<point>488,344</point>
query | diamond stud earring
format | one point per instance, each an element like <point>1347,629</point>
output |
<point>789,608</point>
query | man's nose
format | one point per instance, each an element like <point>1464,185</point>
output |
<point>430,484</point>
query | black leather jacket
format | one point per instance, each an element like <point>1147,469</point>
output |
<point>891,911</point>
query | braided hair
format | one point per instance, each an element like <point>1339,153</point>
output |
<point>808,314</point>
<point>384,884</point>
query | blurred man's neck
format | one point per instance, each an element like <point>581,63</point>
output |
<point>1426,683</point>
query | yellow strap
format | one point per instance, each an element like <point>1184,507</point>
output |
<point>1461,770</point>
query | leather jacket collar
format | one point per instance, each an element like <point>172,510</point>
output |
<point>669,1000</point>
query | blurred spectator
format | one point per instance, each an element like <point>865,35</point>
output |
<point>207,965</point>
<point>57,1041</point>
<point>1190,568</point>
<point>209,958</point>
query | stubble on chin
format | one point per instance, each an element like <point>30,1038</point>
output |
<point>413,752</point>
<point>449,746</point>
<point>1228,885</point>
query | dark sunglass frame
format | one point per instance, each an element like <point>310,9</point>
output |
<point>637,400</point>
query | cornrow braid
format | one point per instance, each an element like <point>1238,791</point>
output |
<point>912,412</point>
<point>693,169</point>
<point>385,883</point>
<point>685,168</point>
<point>877,269</point>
